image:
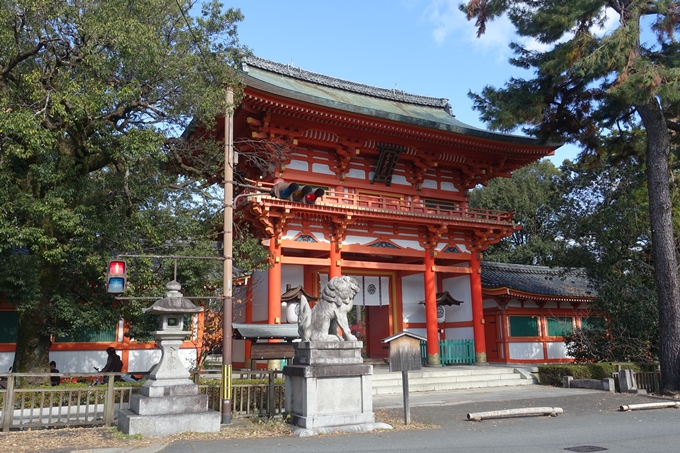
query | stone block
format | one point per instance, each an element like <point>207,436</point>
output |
<point>608,385</point>
<point>169,387</point>
<point>144,405</point>
<point>627,381</point>
<point>168,424</point>
<point>594,384</point>
<point>328,353</point>
<point>566,381</point>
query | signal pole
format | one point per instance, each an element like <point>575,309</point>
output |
<point>228,257</point>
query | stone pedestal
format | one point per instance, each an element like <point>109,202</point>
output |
<point>328,389</point>
<point>169,403</point>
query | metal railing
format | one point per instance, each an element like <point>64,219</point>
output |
<point>97,405</point>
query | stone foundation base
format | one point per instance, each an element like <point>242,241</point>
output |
<point>329,389</point>
<point>168,424</point>
<point>362,428</point>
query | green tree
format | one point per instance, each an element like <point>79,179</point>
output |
<point>531,193</point>
<point>604,220</point>
<point>94,95</point>
<point>604,92</point>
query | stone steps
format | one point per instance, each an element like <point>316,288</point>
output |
<point>448,378</point>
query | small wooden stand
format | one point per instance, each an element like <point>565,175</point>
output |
<point>405,356</point>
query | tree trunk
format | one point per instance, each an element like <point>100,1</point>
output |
<point>33,346</point>
<point>32,353</point>
<point>663,244</point>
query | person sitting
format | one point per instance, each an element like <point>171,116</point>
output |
<point>113,364</point>
<point>56,380</point>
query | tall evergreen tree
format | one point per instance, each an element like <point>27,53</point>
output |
<point>532,195</point>
<point>93,97</point>
<point>607,92</point>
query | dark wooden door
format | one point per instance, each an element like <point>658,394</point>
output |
<point>377,328</point>
<point>491,337</point>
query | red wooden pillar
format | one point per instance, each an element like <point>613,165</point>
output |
<point>477,309</point>
<point>433,358</point>
<point>247,363</point>
<point>335,269</point>
<point>274,289</point>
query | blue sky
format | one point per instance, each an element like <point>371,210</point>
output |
<point>424,47</point>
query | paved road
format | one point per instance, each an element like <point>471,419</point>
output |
<point>590,419</point>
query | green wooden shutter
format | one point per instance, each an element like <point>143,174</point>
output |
<point>523,326</point>
<point>559,327</point>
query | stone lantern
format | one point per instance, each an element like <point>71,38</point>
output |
<point>170,334</point>
<point>169,402</point>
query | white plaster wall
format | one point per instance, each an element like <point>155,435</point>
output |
<point>526,351</point>
<point>530,304</point>
<point>290,234</point>
<point>459,288</point>
<point>429,184</point>
<point>6,361</point>
<point>260,296</point>
<point>141,360</point>
<point>462,248</point>
<point>293,275</point>
<point>448,186</point>
<point>80,361</point>
<point>550,305</point>
<point>356,174</point>
<point>400,180</point>
<point>361,240</point>
<point>489,303</point>
<point>412,292</point>
<point>514,303</point>
<point>557,350</point>
<point>419,331</point>
<point>408,244</point>
<point>295,164</point>
<point>460,333</point>
<point>322,169</point>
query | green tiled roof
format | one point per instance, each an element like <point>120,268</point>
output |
<point>396,105</point>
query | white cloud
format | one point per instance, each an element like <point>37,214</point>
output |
<point>450,23</point>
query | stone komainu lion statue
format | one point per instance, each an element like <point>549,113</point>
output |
<point>330,312</point>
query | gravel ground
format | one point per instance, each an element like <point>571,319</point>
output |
<point>66,440</point>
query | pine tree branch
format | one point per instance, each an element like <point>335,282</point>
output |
<point>672,125</point>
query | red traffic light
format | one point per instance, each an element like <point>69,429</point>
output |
<point>311,197</point>
<point>116,277</point>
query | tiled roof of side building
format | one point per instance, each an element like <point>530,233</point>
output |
<point>542,280</point>
<point>395,105</point>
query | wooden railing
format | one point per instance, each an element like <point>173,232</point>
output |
<point>96,405</point>
<point>388,205</point>
<point>452,351</point>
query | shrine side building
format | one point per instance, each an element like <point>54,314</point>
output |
<point>396,169</point>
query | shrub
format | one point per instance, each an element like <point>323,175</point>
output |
<point>552,374</point>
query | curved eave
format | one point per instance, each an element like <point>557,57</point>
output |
<point>268,88</point>
<point>521,295</point>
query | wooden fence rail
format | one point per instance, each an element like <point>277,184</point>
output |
<point>452,351</point>
<point>97,405</point>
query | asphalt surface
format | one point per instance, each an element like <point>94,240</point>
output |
<point>590,420</point>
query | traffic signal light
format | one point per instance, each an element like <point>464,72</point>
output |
<point>295,192</point>
<point>116,277</point>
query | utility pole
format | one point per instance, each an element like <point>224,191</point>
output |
<point>228,256</point>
